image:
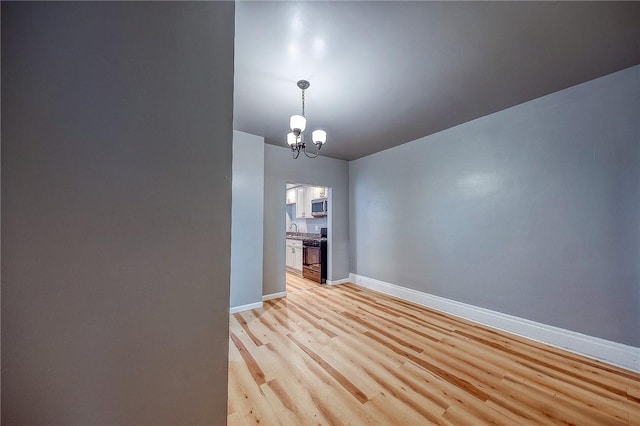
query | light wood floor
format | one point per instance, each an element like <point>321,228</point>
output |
<point>346,355</point>
<point>297,283</point>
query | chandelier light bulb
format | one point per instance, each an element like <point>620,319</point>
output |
<point>298,123</point>
<point>291,139</point>
<point>319,136</point>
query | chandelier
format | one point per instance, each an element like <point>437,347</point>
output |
<point>298,123</point>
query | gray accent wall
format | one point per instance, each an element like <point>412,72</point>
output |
<point>247,219</point>
<point>280,168</point>
<point>116,212</point>
<point>533,211</point>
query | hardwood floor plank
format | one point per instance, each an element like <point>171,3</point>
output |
<point>244,325</point>
<point>430,393</point>
<point>393,387</point>
<point>329,355</point>
<point>432,368</point>
<point>297,283</point>
<point>245,395</point>
<point>548,364</point>
<point>379,330</point>
<point>304,308</point>
<point>346,383</point>
<point>614,407</point>
<point>254,368</point>
<point>582,398</point>
<point>349,364</point>
<point>476,414</point>
<point>566,411</point>
<point>395,412</point>
<point>310,319</point>
<point>303,376</point>
<point>408,327</point>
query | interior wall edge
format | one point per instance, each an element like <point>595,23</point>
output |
<point>247,219</point>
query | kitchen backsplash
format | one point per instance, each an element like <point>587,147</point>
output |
<point>304,225</point>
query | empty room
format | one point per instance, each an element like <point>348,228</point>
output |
<point>479,239</point>
<point>320,213</point>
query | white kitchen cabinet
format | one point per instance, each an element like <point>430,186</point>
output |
<point>304,196</point>
<point>318,192</point>
<point>291,196</point>
<point>297,259</point>
<point>294,254</point>
<point>303,208</point>
<point>289,255</point>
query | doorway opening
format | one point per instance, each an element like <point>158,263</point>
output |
<point>307,245</point>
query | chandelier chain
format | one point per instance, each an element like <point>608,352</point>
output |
<point>303,102</point>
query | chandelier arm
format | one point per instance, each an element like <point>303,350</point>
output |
<point>296,152</point>
<point>312,156</point>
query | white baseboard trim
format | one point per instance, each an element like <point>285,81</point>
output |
<point>274,296</point>
<point>614,353</point>
<point>241,308</point>
<point>336,282</point>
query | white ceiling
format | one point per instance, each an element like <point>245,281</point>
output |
<point>385,73</point>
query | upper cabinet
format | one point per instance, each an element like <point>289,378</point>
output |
<point>303,197</point>
<point>291,196</point>
<point>318,192</point>
<point>302,210</point>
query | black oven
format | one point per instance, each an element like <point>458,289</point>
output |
<point>314,260</point>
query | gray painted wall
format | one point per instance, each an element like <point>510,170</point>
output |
<point>533,211</point>
<point>116,212</point>
<point>280,168</point>
<point>247,219</point>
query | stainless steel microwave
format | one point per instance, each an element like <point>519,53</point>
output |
<point>319,207</point>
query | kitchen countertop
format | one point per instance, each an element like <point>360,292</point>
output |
<point>303,236</point>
